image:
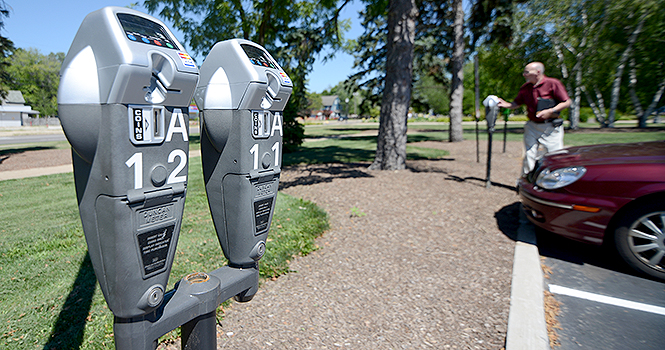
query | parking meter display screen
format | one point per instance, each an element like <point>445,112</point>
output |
<point>258,57</point>
<point>142,30</point>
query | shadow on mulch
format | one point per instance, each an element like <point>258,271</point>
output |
<point>508,220</point>
<point>7,153</point>
<point>325,173</point>
<point>451,177</point>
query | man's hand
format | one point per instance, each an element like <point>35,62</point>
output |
<point>546,114</point>
<point>503,104</point>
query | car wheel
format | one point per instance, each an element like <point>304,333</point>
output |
<point>640,239</point>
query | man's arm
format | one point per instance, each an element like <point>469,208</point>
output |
<point>510,105</point>
<point>550,112</point>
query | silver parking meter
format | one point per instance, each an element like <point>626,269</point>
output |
<point>491,104</point>
<point>241,96</point>
<point>125,87</point>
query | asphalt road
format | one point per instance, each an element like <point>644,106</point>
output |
<point>604,303</point>
<point>8,140</point>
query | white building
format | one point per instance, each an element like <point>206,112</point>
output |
<point>13,110</point>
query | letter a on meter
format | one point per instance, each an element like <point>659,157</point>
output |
<point>125,88</point>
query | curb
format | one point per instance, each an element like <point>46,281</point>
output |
<point>34,172</point>
<point>526,322</point>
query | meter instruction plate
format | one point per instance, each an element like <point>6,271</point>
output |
<point>154,247</point>
<point>262,210</point>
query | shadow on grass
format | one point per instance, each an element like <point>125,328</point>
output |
<point>68,330</point>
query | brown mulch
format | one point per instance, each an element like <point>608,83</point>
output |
<point>35,159</point>
<point>414,258</point>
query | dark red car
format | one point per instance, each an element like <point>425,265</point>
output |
<point>612,194</point>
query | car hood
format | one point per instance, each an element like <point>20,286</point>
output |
<point>622,153</point>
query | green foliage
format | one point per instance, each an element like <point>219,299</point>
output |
<point>6,47</point>
<point>430,94</point>
<point>585,114</point>
<point>37,76</point>
<point>294,32</point>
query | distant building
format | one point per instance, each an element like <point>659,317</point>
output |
<point>13,110</point>
<point>331,107</point>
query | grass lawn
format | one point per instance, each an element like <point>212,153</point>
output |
<point>355,142</point>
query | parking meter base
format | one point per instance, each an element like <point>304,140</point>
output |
<point>184,304</point>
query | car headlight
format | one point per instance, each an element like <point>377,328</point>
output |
<point>553,179</point>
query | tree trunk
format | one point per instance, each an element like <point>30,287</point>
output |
<point>574,114</point>
<point>620,67</point>
<point>391,142</point>
<point>652,106</point>
<point>457,83</point>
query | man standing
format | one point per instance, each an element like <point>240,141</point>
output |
<point>544,98</point>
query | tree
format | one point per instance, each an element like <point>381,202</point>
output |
<point>295,32</point>
<point>37,76</point>
<point>457,71</point>
<point>6,48</point>
<point>391,142</point>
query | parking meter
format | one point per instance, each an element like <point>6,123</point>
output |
<point>241,96</point>
<point>491,104</point>
<point>125,87</point>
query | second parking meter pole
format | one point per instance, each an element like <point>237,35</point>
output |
<point>491,104</point>
<point>506,113</point>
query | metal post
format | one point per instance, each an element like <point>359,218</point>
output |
<point>200,333</point>
<point>477,83</point>
<point>505,130</point>
<point>488,183</point>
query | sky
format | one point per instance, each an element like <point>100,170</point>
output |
<point>50,26</point>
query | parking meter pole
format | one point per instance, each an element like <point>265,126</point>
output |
<point>505,129</point>
<point>491,112</point>
<point>200,333</point>
<point>488,182</point>
<point>477,104</point>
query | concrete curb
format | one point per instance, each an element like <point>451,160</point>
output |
<point>23,173</point>
<point>527,329</point>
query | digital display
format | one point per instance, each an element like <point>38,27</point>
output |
<point>142,30</point>
<point>258,57</point>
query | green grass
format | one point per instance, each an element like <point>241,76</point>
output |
<point>50,298</point>
<point>343,143</point>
